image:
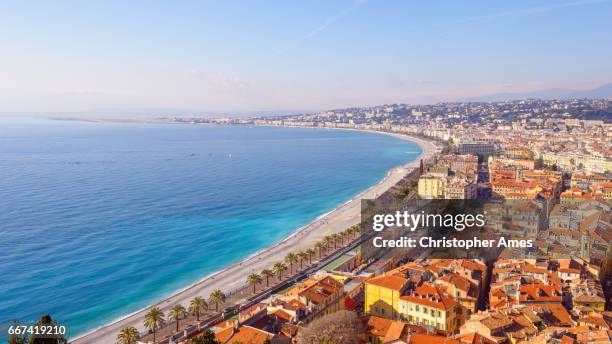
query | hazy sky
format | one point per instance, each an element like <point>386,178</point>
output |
<point>240,56</point>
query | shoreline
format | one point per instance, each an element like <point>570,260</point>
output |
<point>232,276</point>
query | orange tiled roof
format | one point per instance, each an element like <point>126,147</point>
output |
<point>431,296</point>
<point>243,334</point>
<point>389,282</point>
<point>421,338</point>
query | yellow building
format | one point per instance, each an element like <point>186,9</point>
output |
<point>431,187</point>
<point>429,305</point>
<point>595,302</point>
<point>382,296</point>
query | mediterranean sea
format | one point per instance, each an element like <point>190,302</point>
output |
<point>98,220</point>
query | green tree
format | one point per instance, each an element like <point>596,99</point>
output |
<point>208,337</point>
<point>154,320</point>
<point>46,320</point>
<point>278,269</point>
<point>291,258</point>
<point>197,306</point>
<point>320,246</point>
<point>267,273</point>
<point>327,241</point>
<point>176,313</point>
<point>128,335</point>
<point>217,297</point>
<point>310,252</point>
<point>254,279</point>
<point>301,257</point>
<point>335,238</point>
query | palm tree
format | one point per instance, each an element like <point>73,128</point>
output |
<point>217,297</point>
<point>254,279</point>
<point>320,246</point>
<point>128,335</point>
<point>267,273</point>
<point>310,252</point>
<point>278,269</point>
<point>326,241</point>
<point>176,312</point>
<point>197,306</point>
<point>291,258</point>
<point>350,231</point>
<point>154,320</point>
<point>301,256</point>
<point>342,237</point>
<point>335,238</point>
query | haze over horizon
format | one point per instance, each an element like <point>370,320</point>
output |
<point>234,57</point>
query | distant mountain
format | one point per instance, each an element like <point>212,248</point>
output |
<point>552,93</point>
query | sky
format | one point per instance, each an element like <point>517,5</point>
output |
<point>231,57</point>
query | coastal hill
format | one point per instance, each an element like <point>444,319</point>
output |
<point>603,91</point>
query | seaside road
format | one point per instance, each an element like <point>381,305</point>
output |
<point>339,219</point>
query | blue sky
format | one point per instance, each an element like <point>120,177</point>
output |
<point>243,56</point>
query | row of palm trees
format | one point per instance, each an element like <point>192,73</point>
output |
<point>155,319</point>
<point>293,258</point>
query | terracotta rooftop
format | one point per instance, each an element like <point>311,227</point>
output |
<point>390,282</point>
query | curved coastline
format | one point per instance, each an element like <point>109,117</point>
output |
<point>232,276</point>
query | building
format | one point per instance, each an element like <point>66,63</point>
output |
<point>431,187</point>
<point>480,146</point>
<point>430,306</point>
<point>322,295</point>
<point>382,296</point>
<point>460,189</point>
<point>381,330</point>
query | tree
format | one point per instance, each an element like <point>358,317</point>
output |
<point>335,238</point>
<point>46,320</point>
<point>176,313</point>
<point>343,327</point>
<point>208,337</point>
<point>326,241</point>
<point>254,279</point>
<point>128,335</point>
<point>310,252</point>
<point>278,269</point>
<point>197,306</point>
<point>320,246</point>
<point>301,256</point>
<point>291,258</point>
<point>154,320</point>
<point>17,338</point>
<point>344,235</point>
<point>402,193</point>
<point>267,273</point>
<point>217,297</point>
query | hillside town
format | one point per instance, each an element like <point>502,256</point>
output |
<point>552,159</point>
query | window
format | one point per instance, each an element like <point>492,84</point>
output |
<point>417,308</point>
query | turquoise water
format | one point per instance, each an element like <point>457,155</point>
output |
<point>99,220</point>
